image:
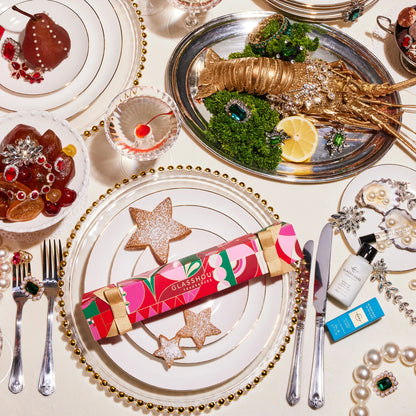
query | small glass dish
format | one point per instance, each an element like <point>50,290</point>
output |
<point>142,123</point>
<point>193,7</point>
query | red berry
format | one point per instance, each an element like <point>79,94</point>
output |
<point>68,197</point>
<point>51,208</point>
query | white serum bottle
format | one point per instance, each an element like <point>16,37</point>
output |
<point>352,275</point>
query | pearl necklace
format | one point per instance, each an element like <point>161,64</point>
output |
<point>5,269</point>
<point>384,383</point>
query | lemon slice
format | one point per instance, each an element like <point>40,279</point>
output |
<point>303,138</point>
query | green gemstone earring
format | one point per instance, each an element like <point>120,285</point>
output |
<point>32,287</point>
<point>276,137</point>
<point>238,110</point>
<point>336,140</point>
<point>384,384</point>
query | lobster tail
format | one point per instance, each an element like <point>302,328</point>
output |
<point>258,76</point>
<point>206,84</point>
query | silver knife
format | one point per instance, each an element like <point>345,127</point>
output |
<point>293,388</point>
<point>322,271</point>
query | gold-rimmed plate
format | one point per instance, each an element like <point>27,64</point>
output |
<point>254,318</point>
<point>104,57</point>
<point>323,11</point>
<point>68,70</point>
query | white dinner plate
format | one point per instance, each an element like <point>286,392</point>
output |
<point>103,59</point>
<point>68,69</point>
<point>396,259</point>
<point>253,317</point>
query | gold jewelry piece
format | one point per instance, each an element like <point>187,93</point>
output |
<point>22,257</point>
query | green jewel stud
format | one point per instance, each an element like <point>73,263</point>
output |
<point>336,140</point>
<point>32,287</point>
<point>238,110</point>
<point>276,137</point>
<point>385,384</point>
<point>354,12</point>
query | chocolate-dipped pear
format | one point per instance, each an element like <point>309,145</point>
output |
<point>45,44</point>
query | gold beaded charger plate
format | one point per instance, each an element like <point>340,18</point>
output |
<point>228,34</point>
<point>396,259</point>
<point>255,318</point>
<point>323,10</point>
<point>105,56</point>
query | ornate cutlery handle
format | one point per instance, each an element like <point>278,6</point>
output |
<point>16,375</point>
<point>47,374</point>
<point>293,388</point>
<point>316,388</point>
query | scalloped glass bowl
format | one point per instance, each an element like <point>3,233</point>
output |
<point>142,123</point>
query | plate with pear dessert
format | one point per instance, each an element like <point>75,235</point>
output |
<point>41,56</point>
<point>60,57</point>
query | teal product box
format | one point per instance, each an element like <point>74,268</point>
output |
<point>355,319</point>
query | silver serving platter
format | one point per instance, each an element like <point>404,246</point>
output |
<point>228,34</point>
<point>332,11</point>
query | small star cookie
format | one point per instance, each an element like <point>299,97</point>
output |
<point>156,229</point>
<point>169,349</point>
<point>198,326</point>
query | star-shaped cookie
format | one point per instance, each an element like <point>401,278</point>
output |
<point>198,326</point>
<point>169,349</point>
<point>155,229</point>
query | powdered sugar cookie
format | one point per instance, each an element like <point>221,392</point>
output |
<point>169,350</point>
<point>155,229</point>
<point>198,326</point>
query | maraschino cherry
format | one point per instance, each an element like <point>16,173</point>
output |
<point>143,130</point>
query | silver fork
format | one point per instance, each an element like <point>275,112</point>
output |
<point>50,281</point>
<point>16,380</point>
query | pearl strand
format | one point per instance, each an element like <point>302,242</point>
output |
<point>373,359</point>
<point>5,268</point>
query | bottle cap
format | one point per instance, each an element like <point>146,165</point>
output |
<point>367,252</point>
<point>369,238</point>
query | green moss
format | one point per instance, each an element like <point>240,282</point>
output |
<point>247,52</point>
<point>243,142</point>
<point>297,36</point>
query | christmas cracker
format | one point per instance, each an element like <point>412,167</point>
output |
<point>112,310</point>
